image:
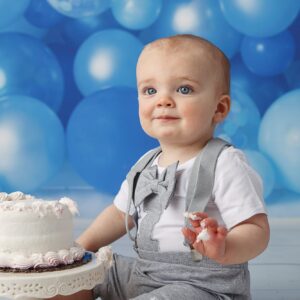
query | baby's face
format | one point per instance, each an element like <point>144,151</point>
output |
<point>177,95</point>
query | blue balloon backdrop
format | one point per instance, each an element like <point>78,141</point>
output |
<point>241,126</point>
<point>21,25</point>
<point>107,58</point>
<point>262,90</point>
<point>80,8</point>
<point>136,14</point>
<point>279,137</point>
<point>264,167</point>
<point>42,14</point>
<point>76,31</point>
<point>260,57</point>
<point>260,18</point>
<point>202,18</point>
<point>104,137</point>
<point>32,143</point>
<point>66,56</point>
<point>29,68</point>
<point>295,30</point>
<point>292,74</point>
<point>10,11</point>
<point>78,58</point>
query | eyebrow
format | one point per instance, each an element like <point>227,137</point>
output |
<point>143,82</point>
<point>189,79</point>
<point>149,81</point>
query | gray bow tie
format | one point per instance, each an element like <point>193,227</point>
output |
<point>150,182</point>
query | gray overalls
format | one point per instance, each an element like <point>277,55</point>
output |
<point>156,275</point>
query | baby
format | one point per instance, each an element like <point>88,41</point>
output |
<point>195,203</point>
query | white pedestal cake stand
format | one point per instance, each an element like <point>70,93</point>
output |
<point>33,286</point>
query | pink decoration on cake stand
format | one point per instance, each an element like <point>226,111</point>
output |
<point>34,286</point>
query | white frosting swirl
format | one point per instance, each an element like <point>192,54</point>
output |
<point>50,259</point>
<point>77,253</point>
<point>15,196</point>
<point>105,256</point>
<point>17,201</point>
<point>3,196</point>
<point>70,204</point>
<point>65,257</point>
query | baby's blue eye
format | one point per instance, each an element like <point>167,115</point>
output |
<point>185,90</point>
<point>150,91</point>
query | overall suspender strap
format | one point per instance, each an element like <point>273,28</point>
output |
<point>201,181</point>
<point>132,178</point>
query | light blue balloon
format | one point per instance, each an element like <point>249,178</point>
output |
<point>263,166</point>
<point>279,137</point>
<point>10,11</point>
<point>241,125</point>
<point>136,14</point>
<point>262,90</point>
<point>80,8</point>
<point>107,58</point>
<point>260,57</point>
<point>32,143</point>
<point>202,18</point>
<point>260,18</point>
<point>21,25</point>
<point>75,31</point>
<point>29,68</point>
<point>105,138</point>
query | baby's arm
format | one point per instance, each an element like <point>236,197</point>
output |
<point>242,243</point>
<point>107,227</point>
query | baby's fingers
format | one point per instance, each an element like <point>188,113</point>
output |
<point>222,232</point>
<point>195,217</point>
<point>189,234</point>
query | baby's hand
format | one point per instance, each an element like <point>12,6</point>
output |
<point>206,236</point>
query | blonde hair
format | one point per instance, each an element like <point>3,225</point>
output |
<point>220,61</point>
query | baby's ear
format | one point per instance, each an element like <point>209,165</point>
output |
<point>223,108</point>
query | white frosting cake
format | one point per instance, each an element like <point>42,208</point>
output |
<point>36,233</point>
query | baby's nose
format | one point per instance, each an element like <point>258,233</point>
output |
<point>166,101</point>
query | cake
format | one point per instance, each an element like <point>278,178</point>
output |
<point>36,234</point>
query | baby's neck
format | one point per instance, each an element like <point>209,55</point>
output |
<point>171,154</point>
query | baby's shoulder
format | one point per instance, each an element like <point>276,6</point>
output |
<point>231,155</point>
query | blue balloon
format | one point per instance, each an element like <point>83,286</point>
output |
<point>295,30</point>
<point>10,11</point>
<point>279,137</point>
<point>202,18</point>
<point>21,25</point>
<point>241,126</point>
<point>136,14</point>
<point>292,74</point>
<point>41,14</point>
<point>264,167</point>
<point>107,58</point>
<point>80,8</point>
<point>268,56</point>
<point>104,137</point>
<point>75,31</point>
<point>263,90</point>
<point>29,68</point>
<point>66,56</point>
<point>260,18</point>
<point>32,143</point>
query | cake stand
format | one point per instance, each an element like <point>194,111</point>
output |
<point>34,286</point>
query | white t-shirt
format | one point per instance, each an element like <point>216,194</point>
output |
<point>237,196</point>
